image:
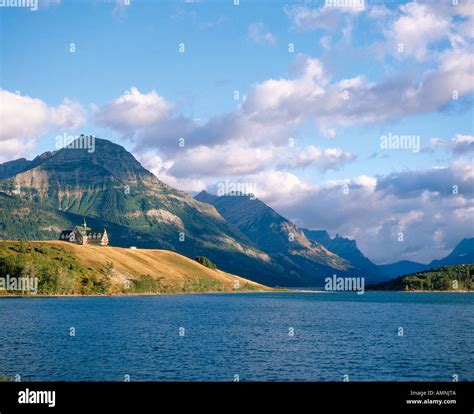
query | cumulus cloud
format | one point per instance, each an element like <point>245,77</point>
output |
<point>134,110</point>
<point>234,160</point>
<point>418,26</point>
<point>25,117</point>
<point>375,210</point>
<point>222,160</point>
<point>274,108</point>
<point>160,168</point>
<point>436,180</point>
<point>278,188</point>
<point>252,141</point>
<point>422,30</point>
<point>311,95</point>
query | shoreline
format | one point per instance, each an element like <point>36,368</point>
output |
<point>118,295</point>
<point>115,295</point>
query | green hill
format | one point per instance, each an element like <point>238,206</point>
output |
<point>447,278</point>
<point>64,268</point>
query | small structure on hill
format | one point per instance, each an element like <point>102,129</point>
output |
<point>84,235</point>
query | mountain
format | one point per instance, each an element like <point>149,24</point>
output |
<point>65,268</point>
<point>404,267</point>
<point>111,187</point>
<point>269,231</point>
<point>463,253</point>
<point>309,260</point>
<point>347,249</point>
<point>11,168</point>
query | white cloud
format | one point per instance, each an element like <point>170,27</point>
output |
<point>234,160</point>
<point>25,117</point>
<point>463,144</point>
<point>311,95</point>
<point>322,159</point>
<point>279,187</point>
<point>134,110</point>
<point>379,11</point>
<point>221,160</point>
<point>418,26</point>
<point>273,108</point>
<point>420,204</point>
<point>12,149</point>
<point>160,168</point>
<point>465,10</point>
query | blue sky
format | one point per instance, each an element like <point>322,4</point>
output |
<point>126,81</point>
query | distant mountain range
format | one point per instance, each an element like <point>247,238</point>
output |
<point>463,253</point>
<point>242,235</point>
<point>269,231</point>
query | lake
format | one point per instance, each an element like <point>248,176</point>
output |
<point>377,336</point>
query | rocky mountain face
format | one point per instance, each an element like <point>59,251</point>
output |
<point>282,239</point>
<point>347,249</point>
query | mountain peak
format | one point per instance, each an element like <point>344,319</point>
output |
<point>280,238</point>
<point>205,197</point>
<point>463,253</point>
<point>93,157</point>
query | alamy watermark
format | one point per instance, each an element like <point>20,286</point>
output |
<point>404,142</point>
<point>28,396</point>
<point>343,284</point>
<point>80,142</point>
<point>27,4</point>
<point>19,284</point>
<point>346,4</point>
<point>231,188</point>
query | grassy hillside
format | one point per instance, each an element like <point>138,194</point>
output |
<point>447,278</point>
<point>65,268</point>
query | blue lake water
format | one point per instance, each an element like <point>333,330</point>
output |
<point>248,335</point>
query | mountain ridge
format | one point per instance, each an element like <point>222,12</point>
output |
<point>112,189</point>
<point>109,185</point>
